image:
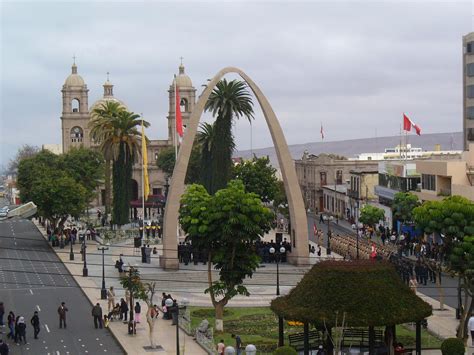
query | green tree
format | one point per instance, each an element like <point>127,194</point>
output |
<point>225,225</point>
<point>258,176</point>
<point>120,140</point>
<point>100,126</point>
<point>44,180</point>
<point>25,151</point>
<point>228,101</point>
<point>205,139</point>
<point>403,205</point>
<point>85,166</point>
<point>166,160</point>
<point>371,215</point>
<point>280,201</point>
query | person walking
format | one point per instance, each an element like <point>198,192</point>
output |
<point>21,330</point>
<point>62,310</point>
<point>220,347</point>
<point>97,314</point>
<point>35,322</point>
<point>2,313</point>
<point>123,310</point>
<point>238,344</point>
<point>470,325</point>
<point>110,298</point>
<point>138,310</point>
<point>4,349</point>
<point>11,325</point>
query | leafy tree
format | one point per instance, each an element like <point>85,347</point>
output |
<point>86,166</point>
<point>228,101</point>
<point>371,215</point>
<point>132,282</point>
<point>280,201</point>
<point>166,160</point>
<point>118,132</point>
<point>225,225</point>
<point>258,176</point>
<point>25,151</point>
<point>44,180</point>
<point>403,205</point>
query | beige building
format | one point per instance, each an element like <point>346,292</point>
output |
<point>76,115</point>
<point>442,178</point>
<point>335,200</point>
<point>361,190</point>
<point>316,171</point>
<point>468,89</point>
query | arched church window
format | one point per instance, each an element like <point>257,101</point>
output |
<point>77,134</point>
<point>75,105</point>
<point>184,105</point>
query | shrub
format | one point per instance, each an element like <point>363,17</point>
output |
<point>452,346</point>
<point>285,350</point>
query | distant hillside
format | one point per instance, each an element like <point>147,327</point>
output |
<point>350,148</point>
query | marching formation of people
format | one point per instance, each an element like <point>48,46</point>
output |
<point>61,238</point>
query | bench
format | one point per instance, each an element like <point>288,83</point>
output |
<point>360,337</point>
<point>297,340</point>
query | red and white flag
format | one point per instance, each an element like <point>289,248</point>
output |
<point>408,124</point>
<point>322,132</point>
<point>315,229</point>
<point>179,119</point>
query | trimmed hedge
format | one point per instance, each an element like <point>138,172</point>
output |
<point>368,293</point>
<point>452,346</point>
<point>285,350</point>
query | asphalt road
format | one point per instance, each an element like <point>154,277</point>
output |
<point>33,279</point>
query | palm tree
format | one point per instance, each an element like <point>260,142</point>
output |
<point>120,139</point>
<point>204,141</point>
<point>100,120</point>
<point>228,101</point>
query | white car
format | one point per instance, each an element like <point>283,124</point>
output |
<point>4,211</point>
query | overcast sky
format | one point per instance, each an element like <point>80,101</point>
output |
<point>353,66</point>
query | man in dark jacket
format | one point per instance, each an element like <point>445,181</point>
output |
<point>4,350</point>
<point>97,314</point>
<point>62,315</point>
<point>123,310</point>
<point>35,322</point>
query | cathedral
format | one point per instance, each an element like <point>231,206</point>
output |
<point>76,115</point>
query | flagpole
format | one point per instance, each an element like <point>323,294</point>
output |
<point>143,180</point>
<point>175,123</point>
<point>400,146</point>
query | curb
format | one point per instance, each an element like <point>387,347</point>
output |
<point>79,286</point>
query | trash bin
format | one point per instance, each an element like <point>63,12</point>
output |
<point>148,255</point>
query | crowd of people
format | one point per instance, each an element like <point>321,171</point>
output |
<point>61,238</point>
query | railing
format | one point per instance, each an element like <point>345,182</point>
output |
<point>206,340</point>
<point>184,320</point>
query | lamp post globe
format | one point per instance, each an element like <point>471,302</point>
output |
<point>282,250</point>
<point>272,250</point>
<point>229,350</point>
<point>168,302</point>
<point>250,349</point>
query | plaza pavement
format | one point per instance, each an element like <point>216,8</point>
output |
<point>189,284</point>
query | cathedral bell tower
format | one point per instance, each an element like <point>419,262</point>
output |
<point>75,116</point>
<point>187,94</point>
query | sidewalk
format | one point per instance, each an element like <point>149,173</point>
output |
<point>165,333</point>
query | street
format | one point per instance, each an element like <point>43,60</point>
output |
<point>33,279</point>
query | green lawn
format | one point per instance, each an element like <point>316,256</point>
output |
<point>259,326</point>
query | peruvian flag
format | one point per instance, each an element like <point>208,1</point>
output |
<point>408,124</point>
<point>315,230</point>
<point>179,119</point>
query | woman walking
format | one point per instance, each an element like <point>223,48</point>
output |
<point>138,310</point>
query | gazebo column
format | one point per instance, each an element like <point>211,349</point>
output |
<point>330,345</point>
<point>306,339</point>
<point>371,340</point>
<point>418,338</point>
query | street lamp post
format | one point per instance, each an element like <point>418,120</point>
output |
<point>328,245</point>
<point>278,254</point>
<point>71,252</point>
<point>169,303</point>
<point>103,290</point>
<point>85,272</point>
<point>357,226</point>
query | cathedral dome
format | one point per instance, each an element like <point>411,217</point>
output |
<point>182,80</point>
<point>74,79</point>
<point>108,96</point>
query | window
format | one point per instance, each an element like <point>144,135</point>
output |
<point>339,177</point>
<point>322,178</point>
<point>428,182</point>
<point>469,47</point>
<point>77,134</point>
<point>157,191</point>
<point>470,91</point>
<point>470,134</point>
<point>470,112</point>
<point>470,69</point>
<point>75,105</point>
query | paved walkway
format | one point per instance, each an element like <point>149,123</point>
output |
<point>165,334</point>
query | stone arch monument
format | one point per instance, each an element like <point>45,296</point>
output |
<point>299,225</point>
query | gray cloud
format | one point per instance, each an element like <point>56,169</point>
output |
<point>354,66</point>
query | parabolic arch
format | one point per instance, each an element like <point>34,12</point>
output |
<point>299,225</point>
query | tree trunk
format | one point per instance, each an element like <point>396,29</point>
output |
<point>440,291</point>
<point>220,316</point>
<point>462,332</point>
<point>107,187</point>
<point>151,326</point>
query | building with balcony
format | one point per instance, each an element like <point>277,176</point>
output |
<point>316,171</point>
<point>360,190</point>
<point>336,200</point>
<point>443,178</point>
<point>468,89</point>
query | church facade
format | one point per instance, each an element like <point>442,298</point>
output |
<point>76,116</point>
